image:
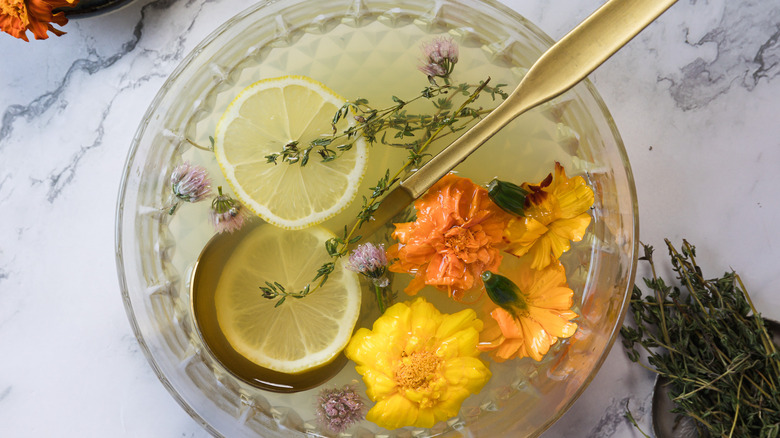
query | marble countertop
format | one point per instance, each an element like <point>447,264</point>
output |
<point>695,97</point>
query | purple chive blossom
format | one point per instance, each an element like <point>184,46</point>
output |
<point>370,260</point>
<point>433,70</point>
<point>439,57</point>
<point>190,183</point>
<point>226,213</point>
<point>338,409</point>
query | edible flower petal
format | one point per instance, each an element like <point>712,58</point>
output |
<point>556,213</point>
<point>19,16</point>
<point>418,364</point>
<point>540,315</point>
<point>458,234</point>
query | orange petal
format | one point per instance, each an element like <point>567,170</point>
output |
<point>507,323</point>
<point>537,340</point>
<point>417,283</point>
<point>556,298</point>
<point>509,349</point>
<point>552,322</point>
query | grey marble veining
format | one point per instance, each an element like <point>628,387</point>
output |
<point>695,97</point>
<point>743,50</point>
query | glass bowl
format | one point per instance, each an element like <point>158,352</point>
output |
<point>156,251</point>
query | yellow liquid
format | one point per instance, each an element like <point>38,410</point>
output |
<point>207,283</point>
<point>373,62</point>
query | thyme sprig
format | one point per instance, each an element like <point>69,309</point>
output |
<point>338,247</point>
<point>707,338</point>
<point>404,125</point>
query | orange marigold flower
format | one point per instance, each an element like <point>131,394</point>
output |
<point>19,16</point>
<point>537,316</point>
<point>457,235</point>
<point>556,212</point>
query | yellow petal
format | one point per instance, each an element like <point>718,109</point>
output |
<point>522,232</point>
<point>450,402</point>
<point>395,319</point>
<point>424,321</point>
<point>571,229</point>
<point>464,343</point>
<point>469,373</point>
<point>574,197</point>
<point>557,244</point>
<point>451,324</point>
<point>370,348</point>
<point>393,412</point>
<point>427,417</point>
<point>543,280</point>
<point>379,384</point>
<point>541,253</point>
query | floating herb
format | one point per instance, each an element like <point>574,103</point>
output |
<point>338,247</point>
<point>707,338</point>
<point>395,119</point>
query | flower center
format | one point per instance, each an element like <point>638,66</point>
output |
<point>416,370</point>
<point>461,240</point>
<point>16,10</point>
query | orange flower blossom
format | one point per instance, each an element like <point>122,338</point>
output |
<point>555,213</point>
<point>458,234</point>
<point>538,316</point>
<point>19,16</point>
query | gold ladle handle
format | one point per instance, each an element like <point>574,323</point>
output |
<point>561,67</point>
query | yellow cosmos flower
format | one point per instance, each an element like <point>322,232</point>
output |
<point>419,364</point>
<point>556,212</point>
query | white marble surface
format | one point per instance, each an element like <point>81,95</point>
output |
<point>695,97</point>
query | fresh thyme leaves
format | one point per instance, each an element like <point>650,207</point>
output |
<point>433,127</point>
<point>402,125</point>
<point>709,341</point>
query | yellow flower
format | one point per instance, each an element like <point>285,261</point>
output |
<point>556,212</point>
<point>418,364</point>
<point>533,314</point>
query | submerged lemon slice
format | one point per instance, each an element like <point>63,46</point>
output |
<point>261,120</point>
<point>302,333</point>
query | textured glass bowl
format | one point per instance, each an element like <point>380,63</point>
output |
<point>154,266</point>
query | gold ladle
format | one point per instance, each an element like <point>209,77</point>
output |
<point>560,68</point>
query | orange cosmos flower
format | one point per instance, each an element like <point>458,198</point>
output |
<point>19,16</point>
<point>533,314</point>
<point>457,235</point>
<point>556,212</point>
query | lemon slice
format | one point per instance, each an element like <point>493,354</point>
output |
<point>261,120</point>
<point>302,333</point>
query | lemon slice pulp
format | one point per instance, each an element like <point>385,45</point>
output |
<point>301,334</point>
<point>261,120</point>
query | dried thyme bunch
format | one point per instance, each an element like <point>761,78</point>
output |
<point>708,340</point>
